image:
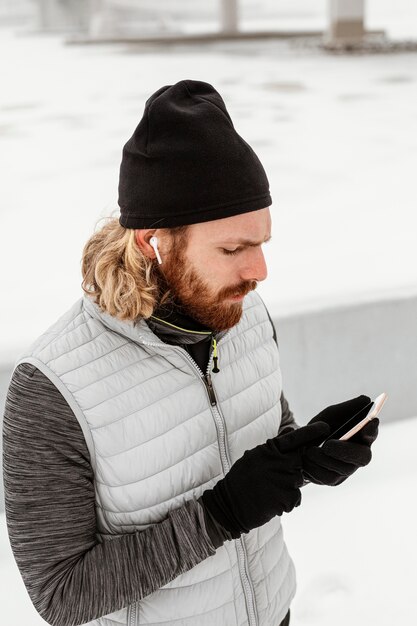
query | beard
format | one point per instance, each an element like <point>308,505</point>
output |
<point>185,289</point>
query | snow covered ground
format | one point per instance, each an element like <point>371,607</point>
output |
<point>354,546</point>
<point>336,136</point>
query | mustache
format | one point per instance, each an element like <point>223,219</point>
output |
<point>243,290</point>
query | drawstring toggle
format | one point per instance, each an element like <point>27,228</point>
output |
<point>215,358</point>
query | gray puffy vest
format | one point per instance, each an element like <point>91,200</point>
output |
<point>158,434</point>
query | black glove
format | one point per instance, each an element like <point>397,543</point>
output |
<point>337,460</point>
<point>264,482</point>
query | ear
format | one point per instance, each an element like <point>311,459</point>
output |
<point>142,237</point>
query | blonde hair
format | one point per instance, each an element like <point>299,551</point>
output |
<point>118,276</point>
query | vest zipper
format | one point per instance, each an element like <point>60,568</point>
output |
<point>131,613</point>
<point>240,545</point>
<point>210,390</point>
<point>226,464</point>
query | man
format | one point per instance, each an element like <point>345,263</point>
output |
<point>149,450</point>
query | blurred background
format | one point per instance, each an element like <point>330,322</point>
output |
<point>325,92</point>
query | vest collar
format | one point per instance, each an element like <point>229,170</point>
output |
<point>135,330</point>
<point>148,331</point>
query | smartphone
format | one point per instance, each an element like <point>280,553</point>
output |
<point>352,426</point>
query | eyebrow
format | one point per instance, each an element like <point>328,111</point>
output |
<point>247,242</point>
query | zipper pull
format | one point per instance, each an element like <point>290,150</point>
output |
<point>215,368</point>
<point>210,390</point>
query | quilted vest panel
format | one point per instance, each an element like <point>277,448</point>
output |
<point>156,440</point>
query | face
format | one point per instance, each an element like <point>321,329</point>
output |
<point>217,265</point>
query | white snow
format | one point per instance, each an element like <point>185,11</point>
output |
<point>336,135</point>
<point>354,545</point>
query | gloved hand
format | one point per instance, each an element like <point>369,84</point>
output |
<point>336,460</point>
<point>264,482</point>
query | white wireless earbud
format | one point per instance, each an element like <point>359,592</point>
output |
<point>154,243</point>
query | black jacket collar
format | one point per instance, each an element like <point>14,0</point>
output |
<point>174,326</point>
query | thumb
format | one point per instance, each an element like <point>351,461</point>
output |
<point>312,434</point>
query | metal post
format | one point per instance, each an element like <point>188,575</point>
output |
<point>229,16</point>
<point>346,21</point>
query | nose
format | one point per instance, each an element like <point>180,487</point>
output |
<point>255,268</point>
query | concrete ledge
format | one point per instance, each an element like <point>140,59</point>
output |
<point>332,355</point>
<point>190,38</point>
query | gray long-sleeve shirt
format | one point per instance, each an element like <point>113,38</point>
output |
<point>71,576</point>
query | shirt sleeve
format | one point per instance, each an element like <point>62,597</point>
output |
<point>287,417</point>
<point>70,575</point>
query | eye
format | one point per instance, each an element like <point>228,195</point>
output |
<point>225,251</point>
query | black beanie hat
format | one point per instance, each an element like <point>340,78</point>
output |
<point>185,163</point>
